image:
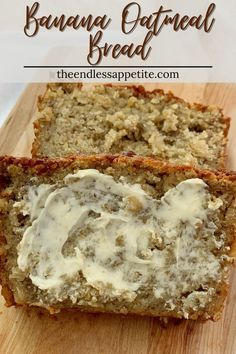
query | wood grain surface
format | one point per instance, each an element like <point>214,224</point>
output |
<point>25,331</point>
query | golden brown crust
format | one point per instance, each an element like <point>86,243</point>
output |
<point>139,91</point>
<point>46,167</point>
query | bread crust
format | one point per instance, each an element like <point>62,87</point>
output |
<point>138,91</point>
<point>46,167</point>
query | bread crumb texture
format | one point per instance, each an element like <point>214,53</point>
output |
<point>109,239</point>
<point>110,119</point>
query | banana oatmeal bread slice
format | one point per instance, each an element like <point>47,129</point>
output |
<point>116,234</point>
<point>72,119</point>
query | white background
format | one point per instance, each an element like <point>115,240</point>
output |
<point>189,47</point>
<point>9,92</point>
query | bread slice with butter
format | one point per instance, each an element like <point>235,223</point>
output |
<point>123,234</point>
<point>72,119</point>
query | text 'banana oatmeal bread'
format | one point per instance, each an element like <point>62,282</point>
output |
<point>116,234</point>
<point>72,119</point>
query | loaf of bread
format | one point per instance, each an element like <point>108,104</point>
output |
<point>114,119</point>
<point>123,234</point>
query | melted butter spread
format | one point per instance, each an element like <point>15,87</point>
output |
<point>114,237</point>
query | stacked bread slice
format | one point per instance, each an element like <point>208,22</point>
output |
<point>141,219</point>
<point>115,119</point>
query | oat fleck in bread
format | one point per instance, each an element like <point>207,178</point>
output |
<point>116,234</point>
<point>113,119</point>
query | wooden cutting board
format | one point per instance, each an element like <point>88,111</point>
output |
<point>23,331</point>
